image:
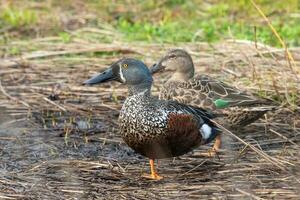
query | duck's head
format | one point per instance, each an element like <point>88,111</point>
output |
<point>132,72</point>
<point>179,62</point>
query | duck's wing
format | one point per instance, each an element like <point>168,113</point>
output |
<point>203,91</point>
<point>203,115</point>
<point>225,95</point>
<point>188,93</point>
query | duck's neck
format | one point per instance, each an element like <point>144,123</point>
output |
<point>185,74</point>
<point>142,88</point>
<point>179,77</point>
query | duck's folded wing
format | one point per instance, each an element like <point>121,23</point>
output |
<point>201,114</point>
<point>203,91</point>
<point>219,91</point>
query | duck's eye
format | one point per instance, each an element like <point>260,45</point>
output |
<point>125,65</point>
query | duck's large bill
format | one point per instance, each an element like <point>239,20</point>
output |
<point>105,76</point>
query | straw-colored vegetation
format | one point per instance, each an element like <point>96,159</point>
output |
<point>59,139</point>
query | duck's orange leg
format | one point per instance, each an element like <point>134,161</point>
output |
<point>153,174</point>
<point>217,143</point>
<point>212,152</point>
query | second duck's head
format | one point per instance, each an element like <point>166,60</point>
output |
<point>179,62</point>
<point>132,72</point>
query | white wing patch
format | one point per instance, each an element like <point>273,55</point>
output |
<point>205,131</point>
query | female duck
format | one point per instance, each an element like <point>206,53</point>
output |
<point>239,108</point>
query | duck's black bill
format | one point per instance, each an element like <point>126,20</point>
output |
<point>155,68</point>
<point>105,76</point>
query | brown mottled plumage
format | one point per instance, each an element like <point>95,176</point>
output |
<point>240,108</point>
<point>181,136</point>
<point>162,129</point>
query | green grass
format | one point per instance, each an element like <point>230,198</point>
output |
<point>209,31</point>
<point>169,21</point>
<point>65,37</point>
<point>17,18</point>
<point>214,23</point>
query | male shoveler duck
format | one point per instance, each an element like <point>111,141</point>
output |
<point>152,127</point>
<point>239,108</point>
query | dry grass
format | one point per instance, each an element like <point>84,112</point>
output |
<point>59,140</point>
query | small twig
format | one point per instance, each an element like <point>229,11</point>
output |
<point>78,51</point>
<point>259,152</point>
<point>13,98</point>
<point>282,136</point>
<point>110,140</point>
<point>204,161</point>
<point>55,104</point>
<point>255,37</point>
<point>248,194</point>
<point>14,121</point>
<point>37,166</point>
<point>288,53</point>
<point>240,153</point>
<point>6,197</point>
<point>73,191</point>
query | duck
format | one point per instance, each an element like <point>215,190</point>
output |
<point>155,128</point>
<point>239,108</point>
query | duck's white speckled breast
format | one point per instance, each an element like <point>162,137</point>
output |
<point>140,119</point>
